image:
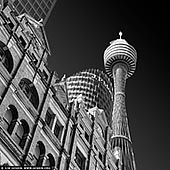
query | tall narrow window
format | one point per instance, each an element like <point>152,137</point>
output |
<point>10,118</point>
<point>49,118</point>
<point>58,129</point>
<point>101,157</point>
<point>80,159</point>
<point>23,43</point>
<point>71,139</point>
<point>45,75</point>
<point>108,167</point>
<point>87,137</point>
<point>19,133</point>
<point>11,25</point>
<point>39,154</point>
<point>35,61</point>
<point>6,57</point>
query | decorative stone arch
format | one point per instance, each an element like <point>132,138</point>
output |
<point>6,57</point>
<point>50,161</point>
<point>39,153</point>
<point>30,91</point>
<point>10,118</point>
<point>22,133</point>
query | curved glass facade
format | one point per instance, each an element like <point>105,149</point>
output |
<point>95,87</point>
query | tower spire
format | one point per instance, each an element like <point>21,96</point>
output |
<point>120,34</point>
<point>120,63</point>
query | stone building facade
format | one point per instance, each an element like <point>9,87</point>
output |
<point>39,126</point>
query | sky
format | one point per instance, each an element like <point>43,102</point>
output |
<point>78,33</point>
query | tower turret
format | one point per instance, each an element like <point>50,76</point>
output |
<point>120,63</point>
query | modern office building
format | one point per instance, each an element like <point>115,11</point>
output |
<point>95,88</point>
<point>64,124</point>
<point>40,10</point>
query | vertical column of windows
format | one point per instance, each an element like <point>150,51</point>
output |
<point>80,159</point>
<point>54,124</point>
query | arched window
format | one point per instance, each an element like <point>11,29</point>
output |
<point>6,57</point>
<point>22,133</point>
<point>30,91</point>
<point>50,160</point>
<point>10,118</point>
<point>39,153</point>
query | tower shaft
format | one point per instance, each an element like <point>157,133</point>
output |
<point>121,141</point>
<point>119,118</point>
